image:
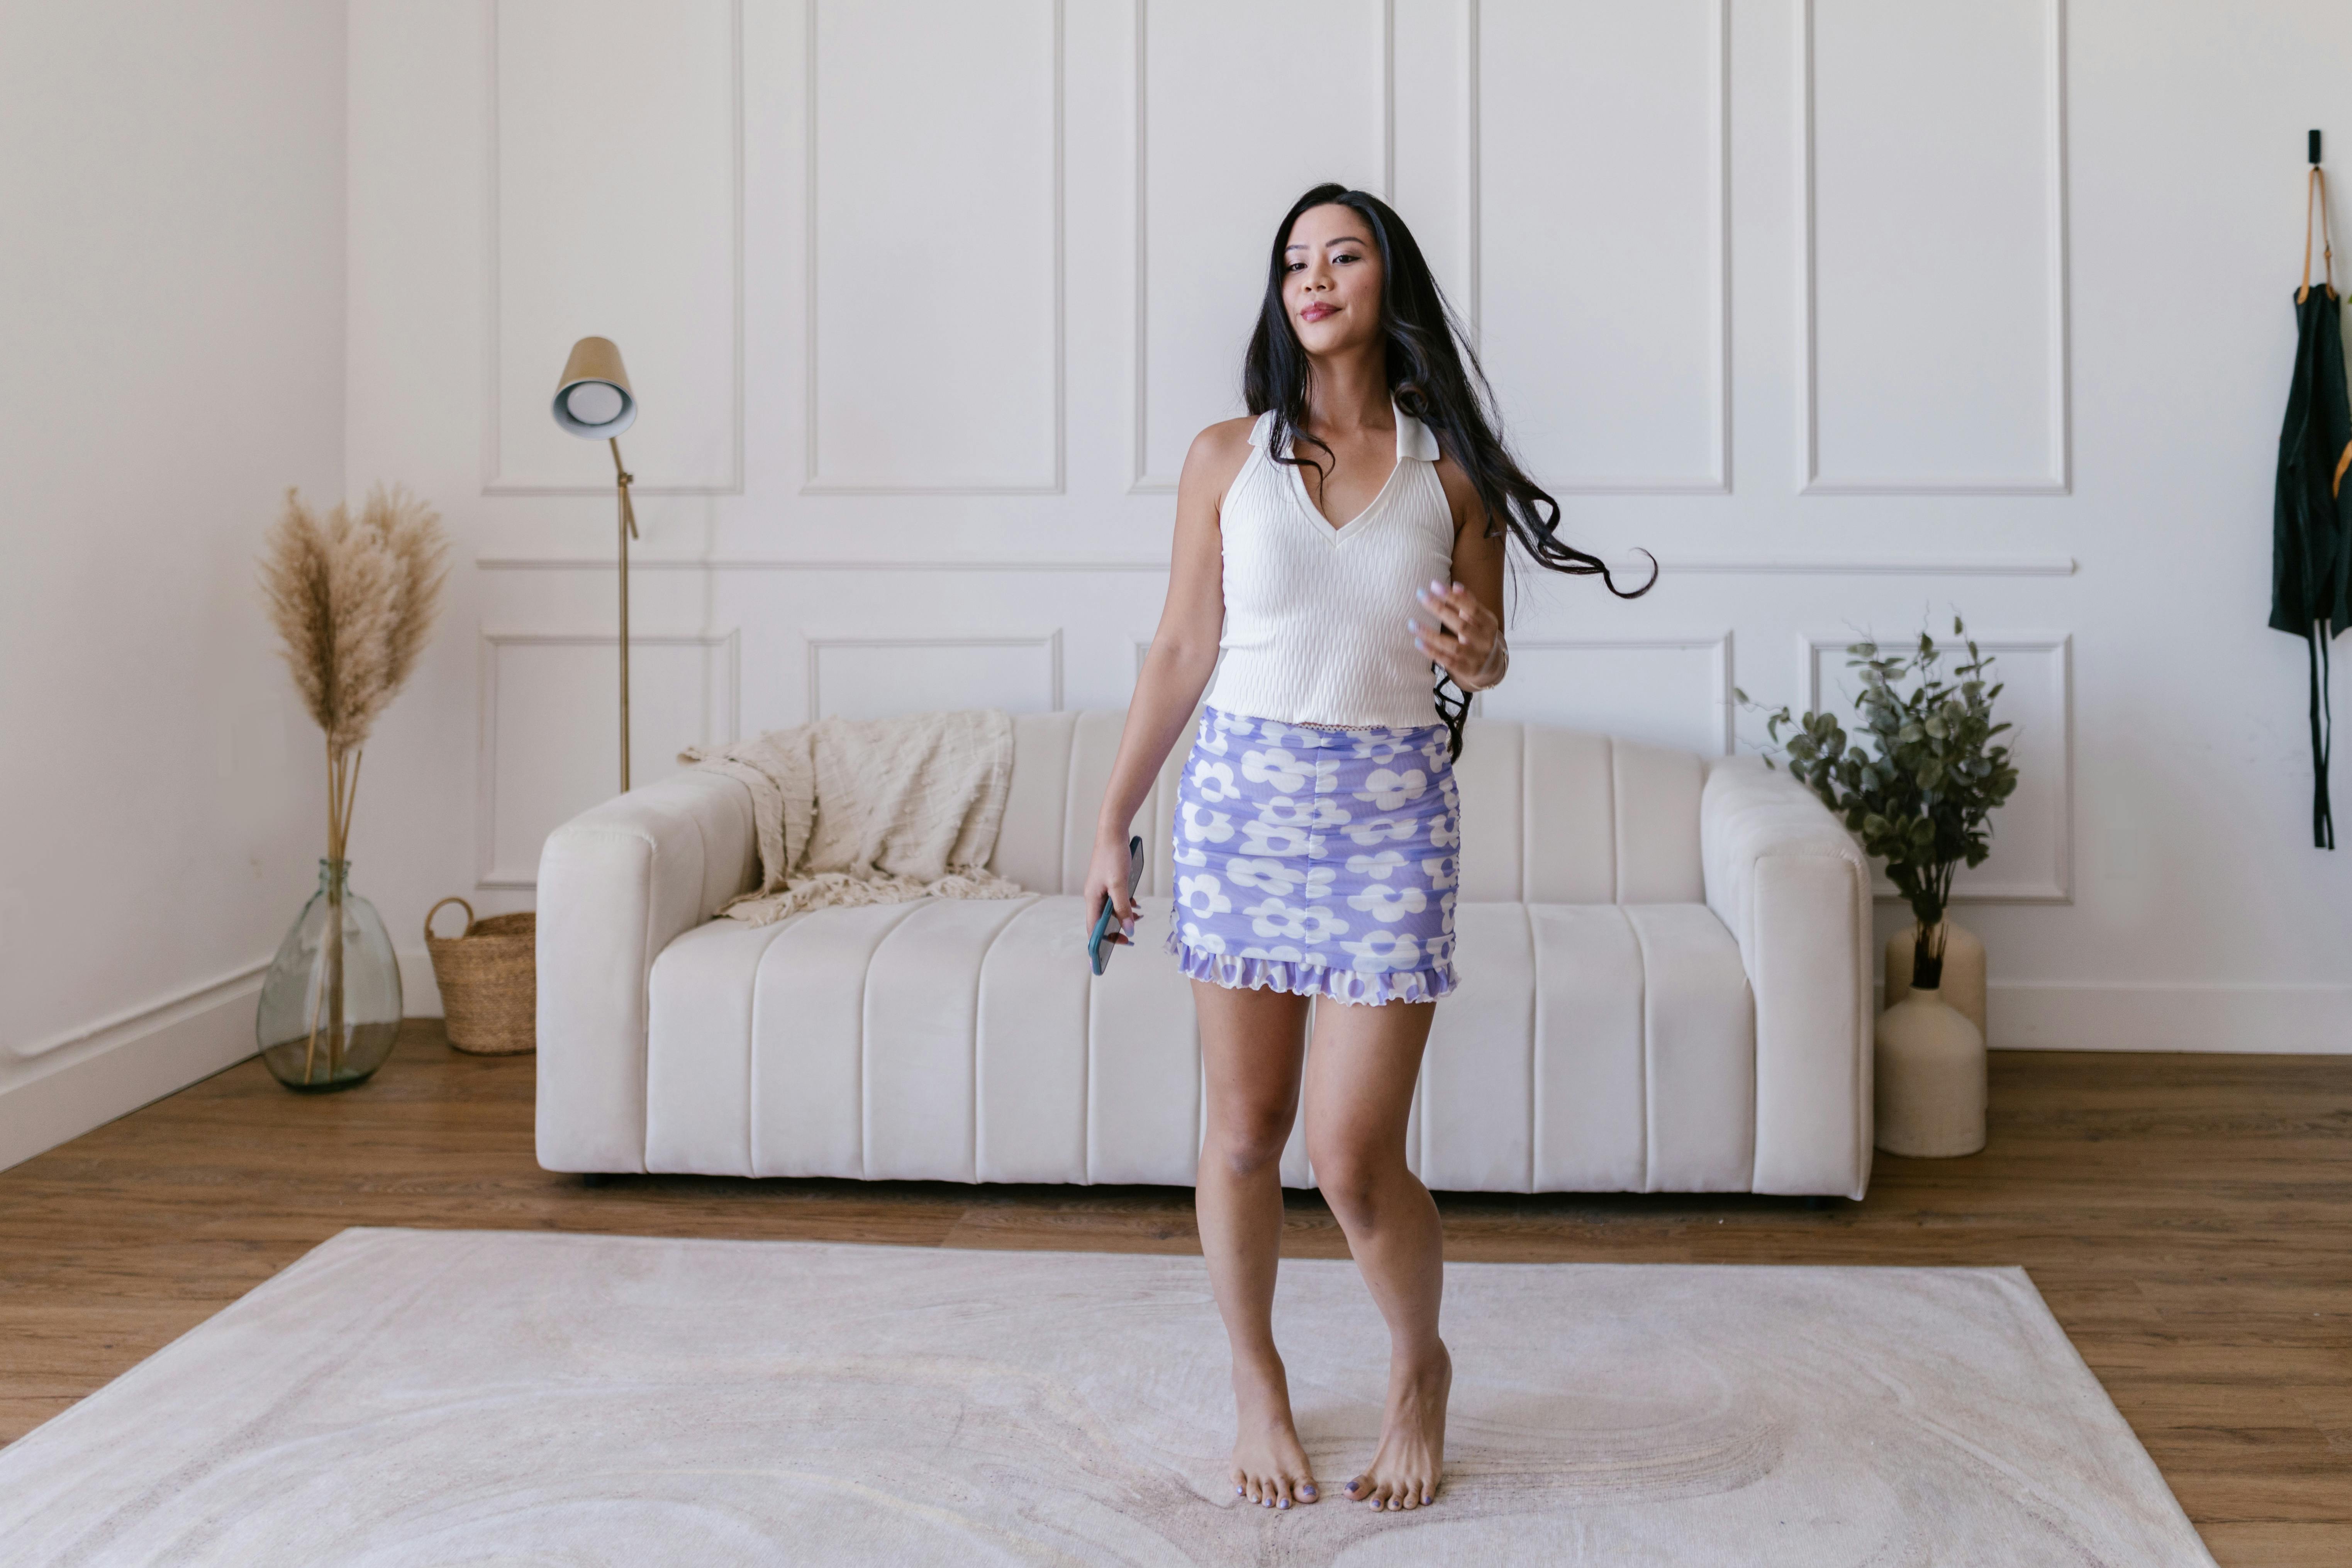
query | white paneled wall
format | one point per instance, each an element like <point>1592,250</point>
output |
<point>926,300</point>
<point>1935,156</point>
<point>617,200</point>
<point>934,132</point>
<point>1603,264</point>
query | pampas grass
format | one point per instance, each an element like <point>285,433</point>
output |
<point>353,600</point>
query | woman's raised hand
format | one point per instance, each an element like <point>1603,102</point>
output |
<point>1467,641</point>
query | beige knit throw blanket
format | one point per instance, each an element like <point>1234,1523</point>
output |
<point>872,811</point>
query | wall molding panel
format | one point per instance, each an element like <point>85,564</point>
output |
<point>815,481</point>
<point>1246,42</point>
<point>644,350</point>
<point>2035,865</point>
<point>1709,727</point>
<point>1047,648</point>
<point>2054,474</point>
<point>1714,477</point>
<point>585,768</point>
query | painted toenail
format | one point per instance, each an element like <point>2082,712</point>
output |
<point>1285,1504</point>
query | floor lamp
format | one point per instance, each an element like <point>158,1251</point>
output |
<point>593,402</point>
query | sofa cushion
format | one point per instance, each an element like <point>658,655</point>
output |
<point>1548,815</point>
<point>1593,1047</point>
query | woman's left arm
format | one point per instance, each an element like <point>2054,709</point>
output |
<point>1467,641</point>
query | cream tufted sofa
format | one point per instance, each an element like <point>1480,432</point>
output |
<point>1664,963</point>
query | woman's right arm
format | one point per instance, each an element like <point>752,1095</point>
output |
<point>1176,671</point>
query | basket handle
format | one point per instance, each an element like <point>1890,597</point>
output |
<point>443,905</point>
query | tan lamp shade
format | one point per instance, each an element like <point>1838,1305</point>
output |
<point>594,399</point>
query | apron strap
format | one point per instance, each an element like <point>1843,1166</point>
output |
<point>2323,814</point>
<point>2315,190</point>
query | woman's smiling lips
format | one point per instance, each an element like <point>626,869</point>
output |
<point>1317,311</point>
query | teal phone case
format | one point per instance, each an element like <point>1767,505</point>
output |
<point>1098,952</point>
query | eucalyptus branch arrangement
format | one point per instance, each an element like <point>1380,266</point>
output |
<point>353,600</point>
<point>1922,801</point>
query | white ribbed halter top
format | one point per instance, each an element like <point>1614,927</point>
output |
<point>1315,616</point>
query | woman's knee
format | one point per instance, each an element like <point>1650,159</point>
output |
<point>1351,1176</point>
<point>1246,1142</point>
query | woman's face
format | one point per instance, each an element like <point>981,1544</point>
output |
<point>1331,281</point>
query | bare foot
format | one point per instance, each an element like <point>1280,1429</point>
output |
<point>1270,1467</point>
<point>1405,1467</point>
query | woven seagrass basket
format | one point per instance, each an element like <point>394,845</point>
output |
<point>489,980</point>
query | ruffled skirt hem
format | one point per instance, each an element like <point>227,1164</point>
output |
<point>1371,986</point>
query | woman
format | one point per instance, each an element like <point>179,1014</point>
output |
<point>1317,835</point>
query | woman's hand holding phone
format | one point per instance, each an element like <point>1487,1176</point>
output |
<point>1107,878</point>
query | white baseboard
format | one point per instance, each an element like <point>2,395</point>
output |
<point>127,1063</point>
<point>2211,1016</point>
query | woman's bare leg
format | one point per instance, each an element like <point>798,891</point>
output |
<point>1251,1046</point>
<point>1360,1091</point>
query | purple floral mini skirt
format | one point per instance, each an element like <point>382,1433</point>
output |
<point>1319,861</point>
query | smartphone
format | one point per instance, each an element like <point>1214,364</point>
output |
<point>1098,949</point>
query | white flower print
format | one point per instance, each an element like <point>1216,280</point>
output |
<point>1285,770</point>
<point>1273,875</point>
<point>1380,747</point>
<point>1445,912</point>
<point>1213,782</point>
<point>1283,811</point>
<point>1206,941</point>
<point>1387,789</point>
<point>1443,871</point>
<point>1330,813</point>
<point>1211,827</point>
<point>1444,831</point>
<point>1184,857</point>
<point>1262,838</point>
<point>1379,865</point>
<point>1203,895</point>
<point>1371,830</point>
<point>1385,950</point>
<point>1387,904</point>
<point>1309,923</point>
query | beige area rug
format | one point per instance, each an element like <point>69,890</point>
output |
<point>412,1398</point>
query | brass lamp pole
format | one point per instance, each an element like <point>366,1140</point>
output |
<point>594,401</point>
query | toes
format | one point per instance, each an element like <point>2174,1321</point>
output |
<point>1307,1491</point>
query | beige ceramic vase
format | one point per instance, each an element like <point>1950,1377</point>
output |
<point>1930,1090</point>
<point>1963,985</point>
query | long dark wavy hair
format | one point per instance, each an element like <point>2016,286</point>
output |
<point>1434,377</point>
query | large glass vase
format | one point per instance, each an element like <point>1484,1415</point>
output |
<point>330,1007</point>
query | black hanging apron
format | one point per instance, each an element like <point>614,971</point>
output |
<point>2311,523</point>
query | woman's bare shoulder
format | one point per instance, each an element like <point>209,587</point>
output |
<point>1218,452</point>
<point>1462,497</point>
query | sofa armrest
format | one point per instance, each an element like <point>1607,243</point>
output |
<point>1792,884</point>
<point>617,884</point>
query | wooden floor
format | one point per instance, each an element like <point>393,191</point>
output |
<point>2189,1219</point>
